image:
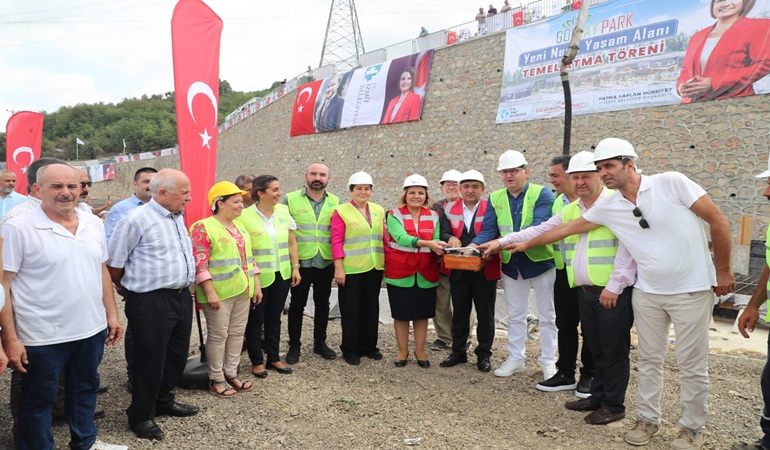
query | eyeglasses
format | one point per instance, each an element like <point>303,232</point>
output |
<point>84,184</point>
<point>511,171</point>
<point>642,222</point>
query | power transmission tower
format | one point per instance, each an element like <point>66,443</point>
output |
<point>343,45</point>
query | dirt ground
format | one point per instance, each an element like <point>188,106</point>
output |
<point>331,405</point>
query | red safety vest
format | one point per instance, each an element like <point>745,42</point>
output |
<point>454,212</point>
<point>402,262</point>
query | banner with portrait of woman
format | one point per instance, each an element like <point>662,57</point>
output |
<point>389,92</point>
<point>638,53</point>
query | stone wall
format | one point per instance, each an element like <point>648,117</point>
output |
<point>720,145</point>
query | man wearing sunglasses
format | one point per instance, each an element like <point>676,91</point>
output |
<point>602,272</point>
<point>658,218</point>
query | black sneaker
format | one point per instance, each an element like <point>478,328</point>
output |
<point>292,356</point>
<point>558,382</point>
<point>584,387</point>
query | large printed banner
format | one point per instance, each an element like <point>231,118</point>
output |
<point>389,92</point>
<point>638,53</point>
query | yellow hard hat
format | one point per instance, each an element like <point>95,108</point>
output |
<point>223,189</point>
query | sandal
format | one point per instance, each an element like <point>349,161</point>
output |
<point>227,391</point>
<point>238,384</point>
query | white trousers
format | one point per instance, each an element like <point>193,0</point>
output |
<point>690,313</point>
<point>517,302</point>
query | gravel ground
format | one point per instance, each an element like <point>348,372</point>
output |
<point>329,405</point>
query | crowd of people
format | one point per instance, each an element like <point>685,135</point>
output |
<point>614,248</point>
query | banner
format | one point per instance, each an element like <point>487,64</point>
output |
<point>23,140</point>
<point>195,35</point>
<point>390,92</point>
<point>637,53</point>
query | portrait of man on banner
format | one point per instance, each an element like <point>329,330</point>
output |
<point>725,59</point>
<point>328,109</point>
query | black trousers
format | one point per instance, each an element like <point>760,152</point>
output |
<point>607,332</point>
<point>268,314</point>
<point>565,302</point>
<point>321,280</point>
<point>472,288</point>
<point>162,321</point>
<point>360,312</point>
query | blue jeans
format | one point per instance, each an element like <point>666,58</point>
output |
<point>79,360</point>
<point>764,421</point>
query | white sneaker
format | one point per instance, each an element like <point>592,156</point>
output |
<point>549,370</point>
<point>99,445</point>
<point>509,367</point>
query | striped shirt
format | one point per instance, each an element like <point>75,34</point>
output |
<point>154,248</point>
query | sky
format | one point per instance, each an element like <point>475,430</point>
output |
<point>56,53</point>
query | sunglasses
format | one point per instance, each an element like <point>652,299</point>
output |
<point>642,221</point>
<point>83,184</point>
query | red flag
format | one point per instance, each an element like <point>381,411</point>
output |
<point>23,139</point>
<point>195,34</point>
<point>302,111</point>
<point>518,18</point>
<point>577,4</point>
<point>451,37</point>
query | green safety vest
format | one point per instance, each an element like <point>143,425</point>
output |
<point>558,250</point>
<point>227,275</point>
<point>363,243</point>
<point>601,250</point>
<point>262,246</point>
<point>499,200</point>
<point>313,233</point>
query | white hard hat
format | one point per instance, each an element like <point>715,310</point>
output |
<point>613,148</point>
<point>360,178</point>
<point>766,173</point>
<point>415,180</point>
<point>582,162</point>
<point>450,175</point>
<point>511,159</point>
<point>472,175</point>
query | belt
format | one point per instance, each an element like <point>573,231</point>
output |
<point>592,289</point>
<point>174,290</point>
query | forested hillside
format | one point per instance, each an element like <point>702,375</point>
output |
<point>146,123</point>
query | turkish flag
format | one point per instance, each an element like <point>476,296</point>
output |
<point>518,18</point>
<point>451,37</point>
<point>23,139</point>
<point>195,34</point>
<point>577,4</point>
<point>303,108</point>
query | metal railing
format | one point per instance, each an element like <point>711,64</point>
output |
<point>521,15</point>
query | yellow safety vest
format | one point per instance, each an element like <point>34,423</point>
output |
<point>499,200</point>
<point>227,275</point>
<point>363,243</point>
<point>767,261</point>
<point>558,251</point>
<point>313,234</point>
<point>262,246</point>
<point>602,247</point>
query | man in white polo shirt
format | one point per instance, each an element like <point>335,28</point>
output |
<point>47,332</point>
<point>658,219</point>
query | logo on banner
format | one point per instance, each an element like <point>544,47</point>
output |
<point>451,37</point>
<point>372,72</point>
<point>196,88</point>
<point>19,151</point>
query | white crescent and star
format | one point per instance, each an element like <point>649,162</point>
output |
<point>196,88</point>
<point>21,150</point>
<point>309,91</point>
